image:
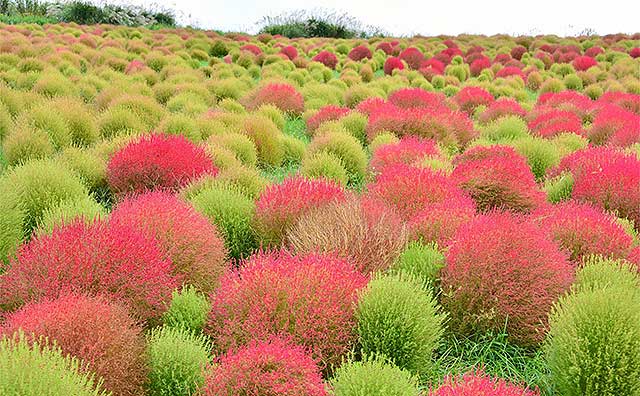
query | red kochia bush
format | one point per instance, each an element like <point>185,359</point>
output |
<point>157,162</point>
<point>326,113</point>
<point>627,101</point>
<point>329,59</point>
<point>274,367</point>
<point>582,63</point>
<point>188,239</point>
<point>283,96</point>
<point>254,49</point>
<point>468,98</point>
<point>95,258</point>
<point>290,51</point>
<point>410,190</point>
<point>99,332</point>
<point>359,53</point>
<point>309,298</point>
<point>605,177</point>
<point>583,230</point>
<point>391,64</point>
<point>478,65</point>
<point>407,151</point>
<point>551,122</point>
<point>500,108</point>
<point>439,222</point>
<point>509,71</point>
<point>281,205</point>
<point>497,177</point>
<point>571,101</point>
<point>503,271</point>
<point>387,48</point>
<point>407,98</point>
<point>615,126</point>
<point>413,57</point>
<point>480,384</point>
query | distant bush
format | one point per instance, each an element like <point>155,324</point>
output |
<point>319,23</point>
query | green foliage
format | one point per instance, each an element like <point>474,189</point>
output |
<point>324,165</point>
<point>37,369</point>
<point>505,129</point>
<point>559,188</point>
<point>177,359</point>
<point>85,208</point>
<point>345,147</point>
<point>541,154</point>
<point>594,343</point>
<point>355,123</point>
<point>189,310</point>
<point>420,260</point>
<point>604,273</point>
<point>399,319</point>
<point>26,143</point>
<point>373,377</point>
<point>232,212</point>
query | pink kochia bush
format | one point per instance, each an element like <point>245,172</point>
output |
<point>605,177</point>
<point>99,332</point>
<point>550,122</point>
<point>329,59</point>
<point>283,96</point>
<point>497,177</point>
<point>392,63</point>
<point>309,298</point>
<point>468,98</point>
<point>438,222</point>
<point>407,151</point>
<point>94,258</point>
<point>480,384</point>
<point>411,190</point>
<point>157,162</point>
<point>583,230</point>
<point>327,113</point>
<point>501,108</point>
<point>188,239</point>
<point>359,53</point>
<point>503,272</point>
<point>281,205</point>
<point>615,126</point>
<point>273,367</point>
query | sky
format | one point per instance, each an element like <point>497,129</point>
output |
<point>402,17</point>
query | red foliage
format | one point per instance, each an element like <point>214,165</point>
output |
<point>283,96</point>
<point>497,177</point>
<point>582,63</point>
<point>406,151</point>
<point>434,64</point>
<point>439,222</point>
<point>309,298</point>
<point>502,58</point>
<point>411,190</point>
<point>96,258</point>
<point>478,65</point>
<point>413,57</point>
<point>274,367</point>
<point>134,66</point>
<point>188,239</point>
<point>627,101</point>
<point>370,105</point>
<point>594,51</point>
<point>392,63</point>
<point>550,122</point>
<point>290,51</point>
<point>281,205</point>
<point>327,58</point>
<point>634,52</point>
<point>607,178</point>
<point>157,162</point>
<point>359,53</point>
<point>326,113</point>
<point>579,104</point>
<point>93,329</point>
<point>509,71</point>
<point>615,126</point>
<point>518,51</point>
<point>583,230</point>
<point>407,98</point>
<point>468,98</point>
<point>503,271</point>
<point>254,49</point>
<point>386,47</point>
<point>478,383</point>
<point>500,108</point>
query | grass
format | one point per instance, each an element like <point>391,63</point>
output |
<point>28,19</point>
<point>297,128</point>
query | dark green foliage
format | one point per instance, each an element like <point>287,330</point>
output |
<point>320,23</point>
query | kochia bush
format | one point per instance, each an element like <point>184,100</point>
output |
<point>479,383</point>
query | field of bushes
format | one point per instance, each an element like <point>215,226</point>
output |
<point>184,212</point>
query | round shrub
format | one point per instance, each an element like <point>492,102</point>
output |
<point>273,367</point>
<point>24,143</point>
<point>177,359</point>
<point>505,129</point>
<point>26,192</point>
<point>503,272</point>
<point>232,213</point>
<point>326,58</point>
<point>541,154</point>
<point>307,297</point>
<point>583,230</point>
<point>157,162</point>
<point>392,63</point>
<point>359,53</point>
<point>284,96</point>
<point>180,124</point>
<point>469,98</point>
<point>79,120</point>
<point>119,121</point>
<point>241,145</point>
<point>347,148</point>
<point>326,113</point>
<point>326,165</point>
<point>423,261</point>
<point>373,377</point>
<point>407,151</point>
<point>189,310</point>
<point>267,139</point>
<point>439,221</point>
<point>85,208</point>
<point>28,368</point>
<point>42,117</point>
<point>399,319</point>
<point>248,180</point>
<point>595,337</point>
<point>187,238</point>
<point>281,205</point>
<point>479,383</point>
<point>92,329</point>
<point>497,177</point>
<point>362,231</point>
<point>114,260</point>
<point>598,272</point>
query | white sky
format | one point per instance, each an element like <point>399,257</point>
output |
<point>403,17</point>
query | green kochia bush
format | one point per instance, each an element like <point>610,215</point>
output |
<point>559,188</point>
<point>41,370</point>
<point>345,147</point>
<point>189,309</point>
<point>67,211</point>
<point>594,343</point>
<point>422,261</point>
<point>601,273</point>
<point>373,377</point>
<point>177,359</point>
<point>399,319</point>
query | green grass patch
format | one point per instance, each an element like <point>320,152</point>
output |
<point>297,128</point>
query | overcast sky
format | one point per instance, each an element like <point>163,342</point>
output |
<point>402,17</point>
